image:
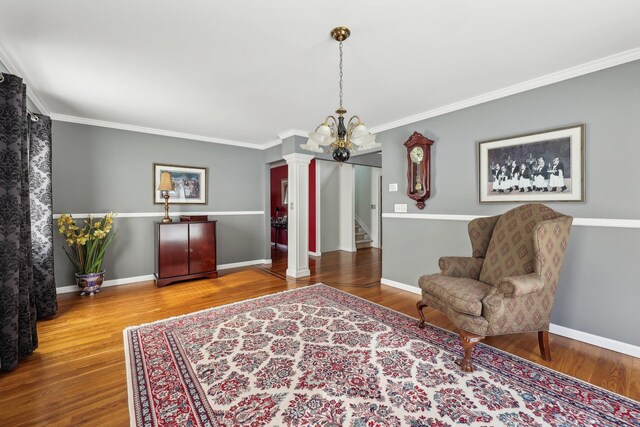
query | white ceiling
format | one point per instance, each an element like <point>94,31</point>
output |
<point>248,70</point>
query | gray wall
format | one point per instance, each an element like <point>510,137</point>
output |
<point>363,195</point>
<point>329,205</point>
<point>598,291</point>
<point>99,169</point>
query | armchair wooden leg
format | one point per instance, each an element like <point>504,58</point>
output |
<point>420,305</point>
<point>469,341</point>
<point>543,341</point>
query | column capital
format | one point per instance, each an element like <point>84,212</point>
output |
<point>298,158</point>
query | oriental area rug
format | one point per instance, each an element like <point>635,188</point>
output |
<point>316,356</point>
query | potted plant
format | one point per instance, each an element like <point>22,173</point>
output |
<point>87,247</point>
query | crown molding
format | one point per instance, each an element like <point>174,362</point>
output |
<point>270,144</point>
<point>13,68</point>
<point>569,73</point>
<point>293,132</point>
<point>153,131</point>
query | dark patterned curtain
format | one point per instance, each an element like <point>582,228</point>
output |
<point>18,295</point>
<point>42,215</point>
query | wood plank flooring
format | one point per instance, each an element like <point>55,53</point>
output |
<point>77,375</point>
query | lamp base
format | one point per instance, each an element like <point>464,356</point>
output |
<point>166,218</point>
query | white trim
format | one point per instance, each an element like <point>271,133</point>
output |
<point>160,214</point>
<point>608,343</point>
<point>620,347</point>
<point>153,131</point>
<point>243,264</point>
<point>587,222</point>
<point>361,224</point>
<point>13,68</point>
<point>398,285</point>
<point>569,73</point>
<point>315,253</point>
<point>107,283</point>
<point>280,245</point>
<point>292,132</point>
<point>303,272</point>
<point>270,144</point>
<point>278,164</point>
<point>147,277</point>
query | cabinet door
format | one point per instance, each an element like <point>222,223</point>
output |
<point>202,247</point>
<point>173,250</point>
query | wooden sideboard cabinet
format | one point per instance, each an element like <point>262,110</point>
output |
<point>184,250</point>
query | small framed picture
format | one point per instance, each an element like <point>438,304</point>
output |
<point>189,184</point>
<point>544,166</point>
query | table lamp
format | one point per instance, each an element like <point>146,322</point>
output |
<point>166,185</point>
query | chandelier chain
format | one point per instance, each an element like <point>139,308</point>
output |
<point>341,75</point>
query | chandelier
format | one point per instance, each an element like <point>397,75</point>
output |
<point>332,136</point>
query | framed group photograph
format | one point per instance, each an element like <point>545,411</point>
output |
<point>189,184</point>
<point>546,166</point>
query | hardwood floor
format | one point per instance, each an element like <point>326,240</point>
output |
<point>77,375</point>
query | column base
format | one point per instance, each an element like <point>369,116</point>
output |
<point>304,272</point>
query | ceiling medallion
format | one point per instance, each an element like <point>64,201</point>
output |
<point>332,136</point>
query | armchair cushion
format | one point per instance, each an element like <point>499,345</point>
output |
<point>521,285</point>
<point>511,252</point>
<point>458,266</point>
<point>461,294</point>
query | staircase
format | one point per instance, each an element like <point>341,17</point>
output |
<point>362,238</point>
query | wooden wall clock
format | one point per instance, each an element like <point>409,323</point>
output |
<point>418,168</point>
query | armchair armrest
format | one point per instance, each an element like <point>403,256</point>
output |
<point>457,266</point>
<point>521,285</point>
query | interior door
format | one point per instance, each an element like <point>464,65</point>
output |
<point>202,247</point>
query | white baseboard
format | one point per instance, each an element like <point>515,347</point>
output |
<point>608,343</point>
<point>107,283</point>
<point>136,279</point>
<point>243,263</point>
<point>304,272</point>
<point>620,347</point>
<point>315,253</point>
<point>403,286</point>
<point>280,245</point>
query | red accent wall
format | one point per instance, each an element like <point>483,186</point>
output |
<point>312,205</point>
<point>277,175</point>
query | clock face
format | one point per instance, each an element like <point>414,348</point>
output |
<point>416,154</point>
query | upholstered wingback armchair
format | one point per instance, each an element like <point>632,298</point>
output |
<point>509,283</point>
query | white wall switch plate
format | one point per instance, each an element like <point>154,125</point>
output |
<point>400,207</point>
<point>393,187</point>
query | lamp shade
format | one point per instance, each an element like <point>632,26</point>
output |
<point>359,131</point>
<point>166,184</point>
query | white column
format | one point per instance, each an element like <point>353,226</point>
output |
<point>298,211</point>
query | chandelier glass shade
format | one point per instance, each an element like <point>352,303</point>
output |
<point>333,136</point>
